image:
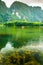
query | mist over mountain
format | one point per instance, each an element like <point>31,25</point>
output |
<point>20,11</point>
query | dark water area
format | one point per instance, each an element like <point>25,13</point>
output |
<point>19,37</point>
<point>4,38</point>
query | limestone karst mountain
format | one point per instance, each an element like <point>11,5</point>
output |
<point>20,11</point>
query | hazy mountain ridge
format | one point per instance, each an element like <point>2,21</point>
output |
<point>28,12</point>
<point>4,12</point>
<point>20,11</point>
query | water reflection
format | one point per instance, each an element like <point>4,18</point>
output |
<point>22,37</point>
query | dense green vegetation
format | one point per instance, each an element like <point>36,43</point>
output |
<point>21,58</point>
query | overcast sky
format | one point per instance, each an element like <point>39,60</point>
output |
<point>28,2</point>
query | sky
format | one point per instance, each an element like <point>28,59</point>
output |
<point>28,2</point>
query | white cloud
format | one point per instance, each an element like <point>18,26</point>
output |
<point>8,47</point>
<point>36,4</point>
<point>8,2</point>
<point>18,15</point>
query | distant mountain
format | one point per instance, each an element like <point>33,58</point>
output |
<point>4,12</point>
<point>23,11</point>
<point>20,11</point>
